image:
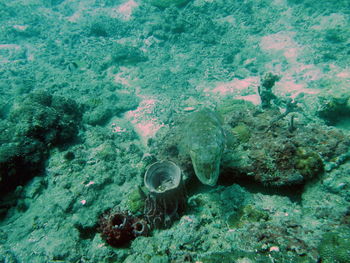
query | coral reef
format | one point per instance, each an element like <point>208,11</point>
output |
<point>99,110</point>
<point>246,214</point>
<point>334,109</point>
<point>109,55</point>
<point>163,204</point>
<point>334,246</point>
<point>265,90</point>
<point>275,154</point>
<point>268,236</point>
<point>272,146</point>
<point>118,228</point>
<point>308,162</point>
<point>33,125</point>
<point>241,131</point>
<point>166,198</point>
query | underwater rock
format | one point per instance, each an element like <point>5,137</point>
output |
<point>166,197</point>
<point>308,162</point>
<point>276,155</point>
<point>35,124</point>
<point>99,110</point>
<point>204,140</point>
<point>334,246</point>
<point>334,109</point>
<point>98,116</point>
<point>265,90</point>
<point>241,132</point>
<point>259,145</point>
<point>167,3</point>
<point>7,255</point>
<point>245,215</point>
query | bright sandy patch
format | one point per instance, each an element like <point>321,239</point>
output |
<point>281,42</point>
<point>288,86</point>
<point>124,11</point>
<point>296,77</point>
<point>235,86</point>
<point>331,21</point>
<point>124,77</point>
<point>143,119</point>
<point>345,74</point>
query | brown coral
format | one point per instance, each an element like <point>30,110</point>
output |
<point>118,228</point>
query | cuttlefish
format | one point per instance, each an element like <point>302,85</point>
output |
<point>204,141</point>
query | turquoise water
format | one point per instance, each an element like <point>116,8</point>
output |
<point>93,92</point>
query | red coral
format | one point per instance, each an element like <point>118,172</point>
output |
<point>118,228</point>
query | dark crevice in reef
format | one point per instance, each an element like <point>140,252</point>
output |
<point>35,124</point>
<point>293,192</point>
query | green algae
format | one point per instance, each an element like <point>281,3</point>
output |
<point>135,201</point>
<point>334,247</point>
<point>308,163</point>
<point>242,132</point>
<point>229,106</point>
<point>246,214</point>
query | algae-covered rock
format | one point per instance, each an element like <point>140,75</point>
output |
<point>334,246</point>
<point>228,107</point>
<point>334,109</point>
<point>265,148</point>
<point>167,3</point>
<point>241,131</point>
<point>34,125</point>
<point>204,140</point>
<point>265,90</point>
<point>98,116</point>
<point>308,163</point>
<point>99,110</point>
<point>246,214</point>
